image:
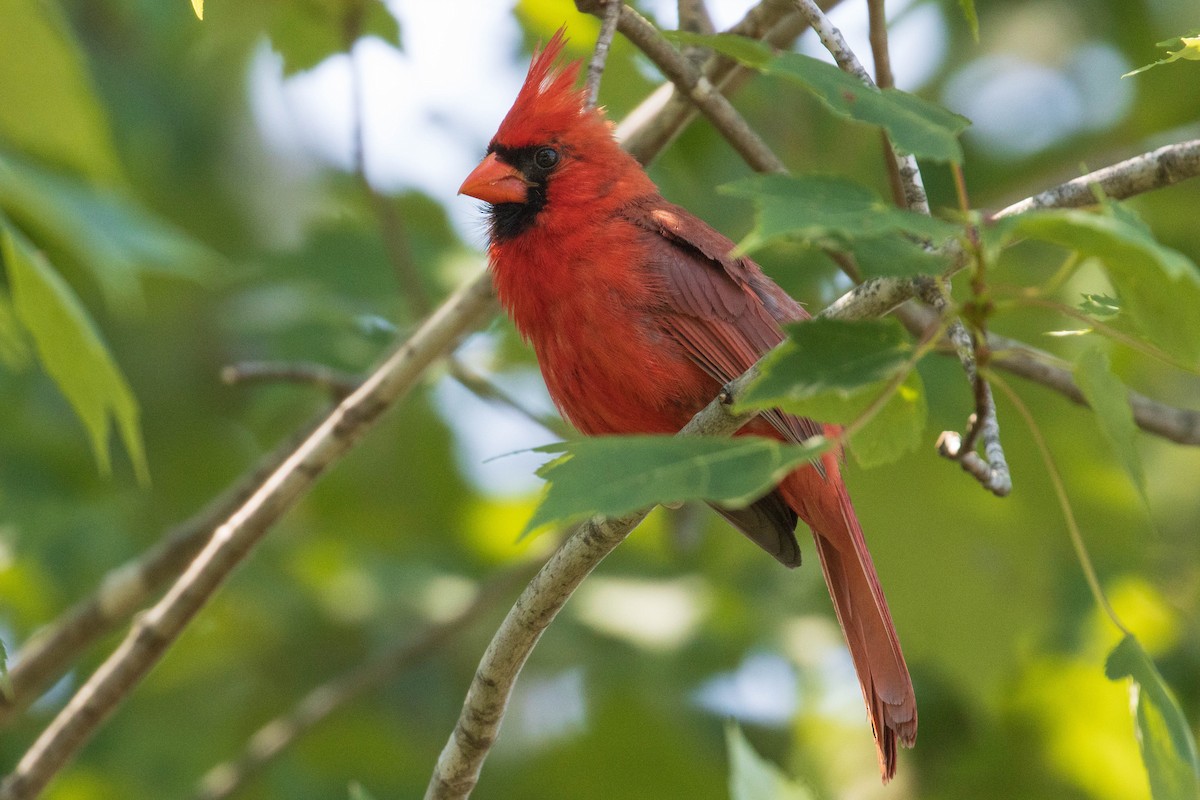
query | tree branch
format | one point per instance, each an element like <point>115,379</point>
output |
<point>915,198</point>
<point>608,29</point>
<point>225,779</point>
<point>161,625</point>
<point>46,656</point>
<point>675,66</point>
<point>655,123</point>
<point>1154,170</point>
<point>337,383</point>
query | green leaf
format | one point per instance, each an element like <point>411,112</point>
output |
<point>896,429</point>
<point>1109,399</point>
<point>50,108</point>
<point>97,229</point>
<point>915,125</point>
<point>306,32</point>
<point>968,10</point>
<point>1187,48</point>
<point>615,475</point>
<point>813,206</point>
<point>14,351</point>
<point>1158,286</point>
<point>750,52</point>
<point>1100,305</point>
<point>752,777</point>
<point>1164,736</point>
<point>834,370</point>
<point>359,792</point>
<point>892,254</point>
<point>825,358</point>
<point>71,351</point>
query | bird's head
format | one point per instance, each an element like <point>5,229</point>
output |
<point>550,133</point>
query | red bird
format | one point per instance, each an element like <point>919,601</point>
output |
<point>639,315</point>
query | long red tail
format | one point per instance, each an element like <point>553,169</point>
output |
<point>823,503</point>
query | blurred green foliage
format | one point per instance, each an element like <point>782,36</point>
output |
<point>150,193</point>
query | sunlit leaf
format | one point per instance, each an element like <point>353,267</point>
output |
<point>752,777</point>
<point>896,428</point>
<point>1158,286</point>
<point>306,32</point>
<point>98,229</point>
<point>1164,735</point>
<point>50,109</point>
<point>615,475</point>
<point>71,351</point>
<point>813,206</point>
<point>198,8</point>
<point>1187,47</point>
<point>915,125</point>
<point>1109,399</point>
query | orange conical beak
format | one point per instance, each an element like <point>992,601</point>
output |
<point>495,182</point>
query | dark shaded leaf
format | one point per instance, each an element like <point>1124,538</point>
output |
<point>813,206</point>
<point>98,229</point>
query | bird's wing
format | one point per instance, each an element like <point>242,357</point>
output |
<point>723,310</point>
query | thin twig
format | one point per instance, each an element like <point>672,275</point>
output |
<point>1179,425</point>
<point>877,22</point>
<point>1060,489</point>
<point>337,383</point>
<point>683,74</point>
<point>158,628</point>
<point>694,18</point>
<point>662,116</point>
<point>273,738</point>
<point>608,28</point>
<point>915,198</point>
<point>485,389</point>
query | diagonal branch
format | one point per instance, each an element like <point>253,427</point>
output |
<point>159,627</point>
<point>654,124</point>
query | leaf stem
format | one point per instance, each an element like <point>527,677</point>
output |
<point>1064,502</point>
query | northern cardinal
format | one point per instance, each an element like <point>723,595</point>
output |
<point>639,314</point>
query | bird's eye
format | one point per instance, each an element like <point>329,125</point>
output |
<point>545,158</point>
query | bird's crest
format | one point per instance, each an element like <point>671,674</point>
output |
<point>548,103</point>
